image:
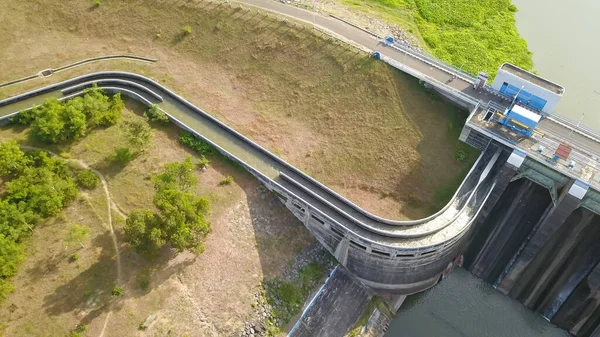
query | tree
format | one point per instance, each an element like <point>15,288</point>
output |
<point>181,218</point>
<point>142,232</point>
<point>48,123</point>
<point>77,234</point>
<point>43,188</point>
<point>11,254</point>
<point>139,133</point>
<point>14,223</point>
<point>74,119</point>
<point>99,108</point>
<point>176,175</point>
<point>12,159</point>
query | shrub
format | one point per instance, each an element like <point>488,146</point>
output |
<point>65,155</point>
<point>461,155</point>
<point>77,234</point>
<point>155,114</point>
<point>187,30</point>
<point>117,291</point>
<point>88,179</point>
<point>97,3</point>
<point>228,180</point>
<point>145,284</point>
<point>81,328</point>
<point>74,257</point>
<point>12,159</point>
<point>139,134</point>
<point>203,162</point>
<point>122,155</point>
<point>198,145</point>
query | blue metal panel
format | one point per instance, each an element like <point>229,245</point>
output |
<point>537,102</point>
<point>524,97</point>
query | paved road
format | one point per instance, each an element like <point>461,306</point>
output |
<point>554,130</point>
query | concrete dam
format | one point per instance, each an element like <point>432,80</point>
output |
<point>522,225</point>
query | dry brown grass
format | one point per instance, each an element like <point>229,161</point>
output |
<point>252,240</point>
<point>352,122</point>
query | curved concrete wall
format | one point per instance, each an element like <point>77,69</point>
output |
<point>405,257</point>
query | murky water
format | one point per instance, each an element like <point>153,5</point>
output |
<point>563,36</point>
<point>464,306</point>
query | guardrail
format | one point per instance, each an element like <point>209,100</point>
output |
<point>441,65</point>
<point>50,71</point>
<point>442,86</point>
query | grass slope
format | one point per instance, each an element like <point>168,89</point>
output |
<point>477,35</point>
<point>359,126</point>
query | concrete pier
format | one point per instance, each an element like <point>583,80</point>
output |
<point>567,203</point>
<point>580,313</point>
<point>479,230</point>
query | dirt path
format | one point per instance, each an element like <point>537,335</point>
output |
<point>110,205</point>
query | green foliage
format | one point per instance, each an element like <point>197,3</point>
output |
<point>228,180</point>
<point>35,186</point>
<point>77,234</point>
<point>43,188</point>
<point>97,3</point>
<point>181,218</point>
<point>74,257</point>
<point>176,175</point>
<point>475,35</point>
<point>203,162</point>
<point>88,179</point>
<point>139,134</point>
<point>187,30</point>
<point>461,155</point>
<point>145,284</point>
<point>287,298</point>
<point>12,159</point>
<point>155,114</point>
<point>198,145</point>
<point>117,291</point>
<point>122,155</point>
<point>55,121</point>
<point>100,109</point>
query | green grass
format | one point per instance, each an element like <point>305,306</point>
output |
<point>292,294</point>
<point>375,302</point>
<point>477,35</point>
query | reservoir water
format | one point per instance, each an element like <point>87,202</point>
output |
<point>464,306</point>
<point>563,37</point>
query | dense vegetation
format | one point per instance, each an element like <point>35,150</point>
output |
<point>180,220</point>
<point>56,121</point>
<point>36,186</point>
<point>477,35</point>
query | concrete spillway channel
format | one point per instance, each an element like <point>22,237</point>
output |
<point>399,256</point>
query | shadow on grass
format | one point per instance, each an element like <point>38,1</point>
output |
<point>89,293</point>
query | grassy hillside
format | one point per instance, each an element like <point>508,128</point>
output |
<point>478,35</point>
<point>363,128</point>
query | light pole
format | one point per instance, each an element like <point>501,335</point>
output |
<point>578,123</point>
